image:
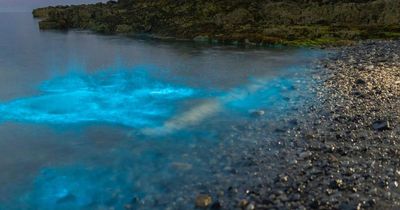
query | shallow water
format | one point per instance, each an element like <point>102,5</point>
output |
<point>89,121</point>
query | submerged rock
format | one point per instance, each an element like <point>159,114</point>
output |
<point>216,206</point>
<point>257,113</point>
<point>181,166</point>
<point>243,203</point>
<point>203,201</point>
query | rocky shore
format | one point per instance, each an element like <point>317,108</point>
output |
<point>343,152</point>
<point>259,22</point>
<point>339,152</point>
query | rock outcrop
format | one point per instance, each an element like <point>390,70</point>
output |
<point>258,21</point>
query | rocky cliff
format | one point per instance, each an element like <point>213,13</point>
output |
<point>234,21</point>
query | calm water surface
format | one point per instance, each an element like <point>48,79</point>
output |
<point>91,122</point>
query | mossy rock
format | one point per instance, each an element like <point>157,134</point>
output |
<point>201,38</point>
<point>124,29</point>
<point>46,25</point>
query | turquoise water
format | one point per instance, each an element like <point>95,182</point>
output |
<point>126,97</point>
<point>100,122</point>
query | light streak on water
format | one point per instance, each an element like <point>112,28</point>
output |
<point>271,90</point>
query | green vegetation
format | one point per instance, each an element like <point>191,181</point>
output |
<point>258,22</point>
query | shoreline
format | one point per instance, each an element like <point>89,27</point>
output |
<point>345,149</point>
<point>339,152</point>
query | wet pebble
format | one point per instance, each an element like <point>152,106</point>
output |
<point>381,125</point>
<point>203,201</point>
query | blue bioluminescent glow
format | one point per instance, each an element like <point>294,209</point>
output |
<point>131,98</point>
<point>78,187</point>
<point>138,173</point>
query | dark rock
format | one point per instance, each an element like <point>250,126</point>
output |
<point>305,155</point>
<point>360,82</point>
<point>216,206</point>
<point>293,122</point>
<point>348,206</point>
<point>381,125</point>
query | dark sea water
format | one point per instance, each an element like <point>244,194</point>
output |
<point>98,122</point>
